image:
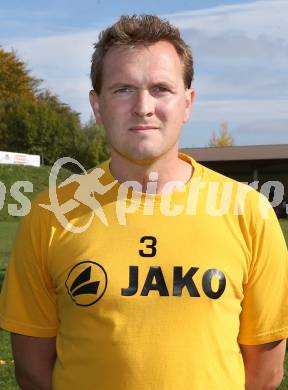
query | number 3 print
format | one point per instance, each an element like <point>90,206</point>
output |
<point>150,250</point>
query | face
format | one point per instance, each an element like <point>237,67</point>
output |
<point>143,102</point>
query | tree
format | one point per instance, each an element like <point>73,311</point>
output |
<point>92,144</point>
<point>38,127</point>
<point>15,78</point>
<point>37,122</point>
<point>223,139</point>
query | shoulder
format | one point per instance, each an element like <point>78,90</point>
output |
<point>251,208</point>
<point>64,201</point>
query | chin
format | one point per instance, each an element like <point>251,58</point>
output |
<point>138,152</point>
<point>150,151</point>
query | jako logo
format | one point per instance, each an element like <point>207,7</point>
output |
<point>86,283</point>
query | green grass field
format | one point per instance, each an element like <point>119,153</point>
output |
<point>39,177</point>
<point>7,382</point>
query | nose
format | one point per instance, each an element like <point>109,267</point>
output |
<point>144,104</point>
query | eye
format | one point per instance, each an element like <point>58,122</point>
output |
<point>123,90</point>
<point>160,89</point>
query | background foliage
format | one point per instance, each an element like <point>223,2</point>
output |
<point>35,121</point>
<point>223,138</point>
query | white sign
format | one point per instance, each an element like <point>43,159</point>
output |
<point>19,159</point>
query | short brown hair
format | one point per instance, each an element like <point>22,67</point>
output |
<point>130,31</point>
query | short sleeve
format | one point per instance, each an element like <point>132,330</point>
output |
<point>27,299</point>
<point>264,316</point>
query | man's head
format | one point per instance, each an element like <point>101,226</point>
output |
<point>141,75</point>
<point>130,31</point>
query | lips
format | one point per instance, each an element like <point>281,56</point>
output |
<point>143,128</point>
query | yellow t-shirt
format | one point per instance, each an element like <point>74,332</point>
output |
<point>158,291</point>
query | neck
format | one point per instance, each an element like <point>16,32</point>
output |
<point>169,167</point>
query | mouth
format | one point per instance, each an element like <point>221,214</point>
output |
<point>143,128</point>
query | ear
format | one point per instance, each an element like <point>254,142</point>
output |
<point>189,101</point>
<point>94,102</point>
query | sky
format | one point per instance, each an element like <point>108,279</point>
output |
<point>240,51</point>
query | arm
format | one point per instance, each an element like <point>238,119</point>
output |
<point>263,365</point>
<point>34,361</point>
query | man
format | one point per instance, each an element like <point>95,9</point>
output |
<point>178,294</point>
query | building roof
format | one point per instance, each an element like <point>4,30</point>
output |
<point>236,153</point>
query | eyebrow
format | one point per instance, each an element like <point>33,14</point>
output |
<point>128,85</point>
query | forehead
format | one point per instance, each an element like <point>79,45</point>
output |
<point>157,60</point>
